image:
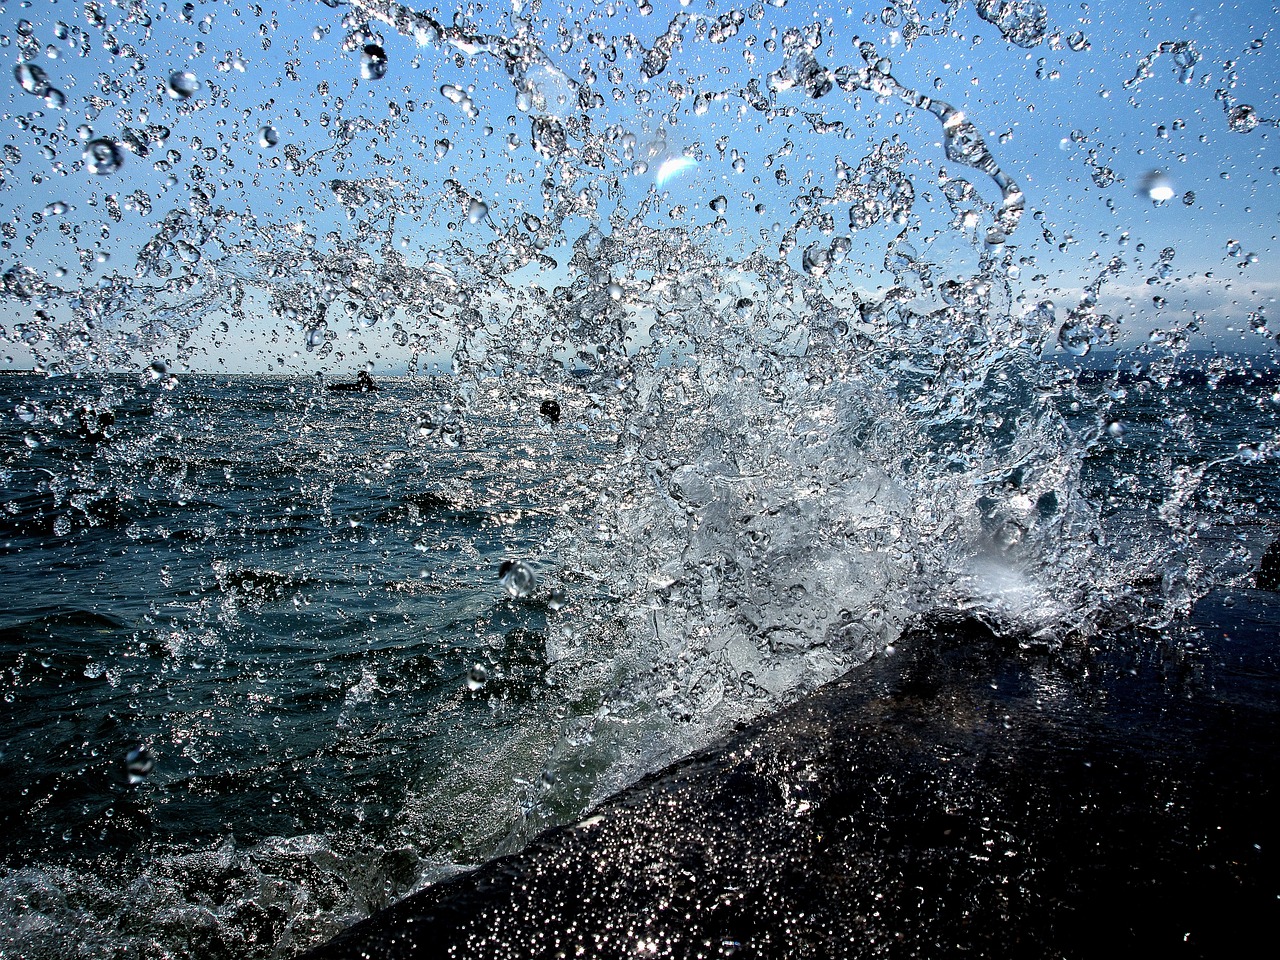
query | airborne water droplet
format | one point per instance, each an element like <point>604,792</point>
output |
<point>517,577</point>
<point>138,763</point>
<point>102,156</point>
<point>477,211</point>
<point>1158,186</point>
<point>477,677</point>
<point>182,84</point>
<point>1242,118</point>
<point>268,137</point>
<point>373,62</point>
<point>31,78</point>
<point>442,148</point>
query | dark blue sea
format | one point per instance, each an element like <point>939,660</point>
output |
<point>275,656</point>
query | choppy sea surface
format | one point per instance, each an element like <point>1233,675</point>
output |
<point>271,660</point>
<point>715,345</point>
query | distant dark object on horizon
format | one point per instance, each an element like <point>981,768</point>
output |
<point>1268,575</point>
<point>551,410</point>
<point>364,384</point>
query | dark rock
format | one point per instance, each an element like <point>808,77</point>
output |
<point>965,796</point>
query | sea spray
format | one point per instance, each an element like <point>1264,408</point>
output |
<point>820,359</point>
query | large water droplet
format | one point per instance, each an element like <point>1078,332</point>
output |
<point>1242,118</point>
<point>1076,337</point>
<point>268,137</point>
<point>1158,186</point>
<point>517,578</point>
<point>182,84</point>
<point>32,79</point>
<point>102,156</point>
<point>138,762</point>
<point>373,62</point>
<point>477,677</point>
<point>477,211</point>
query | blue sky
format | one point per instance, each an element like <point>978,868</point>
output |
<point>1071,126</point>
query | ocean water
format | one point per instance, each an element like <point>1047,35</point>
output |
<point>263,671</point>
<point>714,347</point>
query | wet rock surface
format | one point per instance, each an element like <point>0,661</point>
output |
<point>962,795</point>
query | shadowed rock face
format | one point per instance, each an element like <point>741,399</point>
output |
<point>960,797</point>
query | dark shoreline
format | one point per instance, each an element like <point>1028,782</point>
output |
<point>962,797</point>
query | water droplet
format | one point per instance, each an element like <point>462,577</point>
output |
<point>517,578</point>
<point>268,137</point>
<point>477,210</point>
<point>556,600</point>
<point>1076,337</point>
<point>1242,118</point>
<point>373,62</point>
<point>1022,23</point>
<point>102,156</point>
<point>442,148</point>
<point>719,204</point>
<point>31,78</point>
<point>138,762</point>
<point>477,677</point>
<point>815,260</point>
<point>182,84</point>
<point>55,99</point>
<point>1158,186</point>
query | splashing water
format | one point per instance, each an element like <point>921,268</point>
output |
<point>841,323</point>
